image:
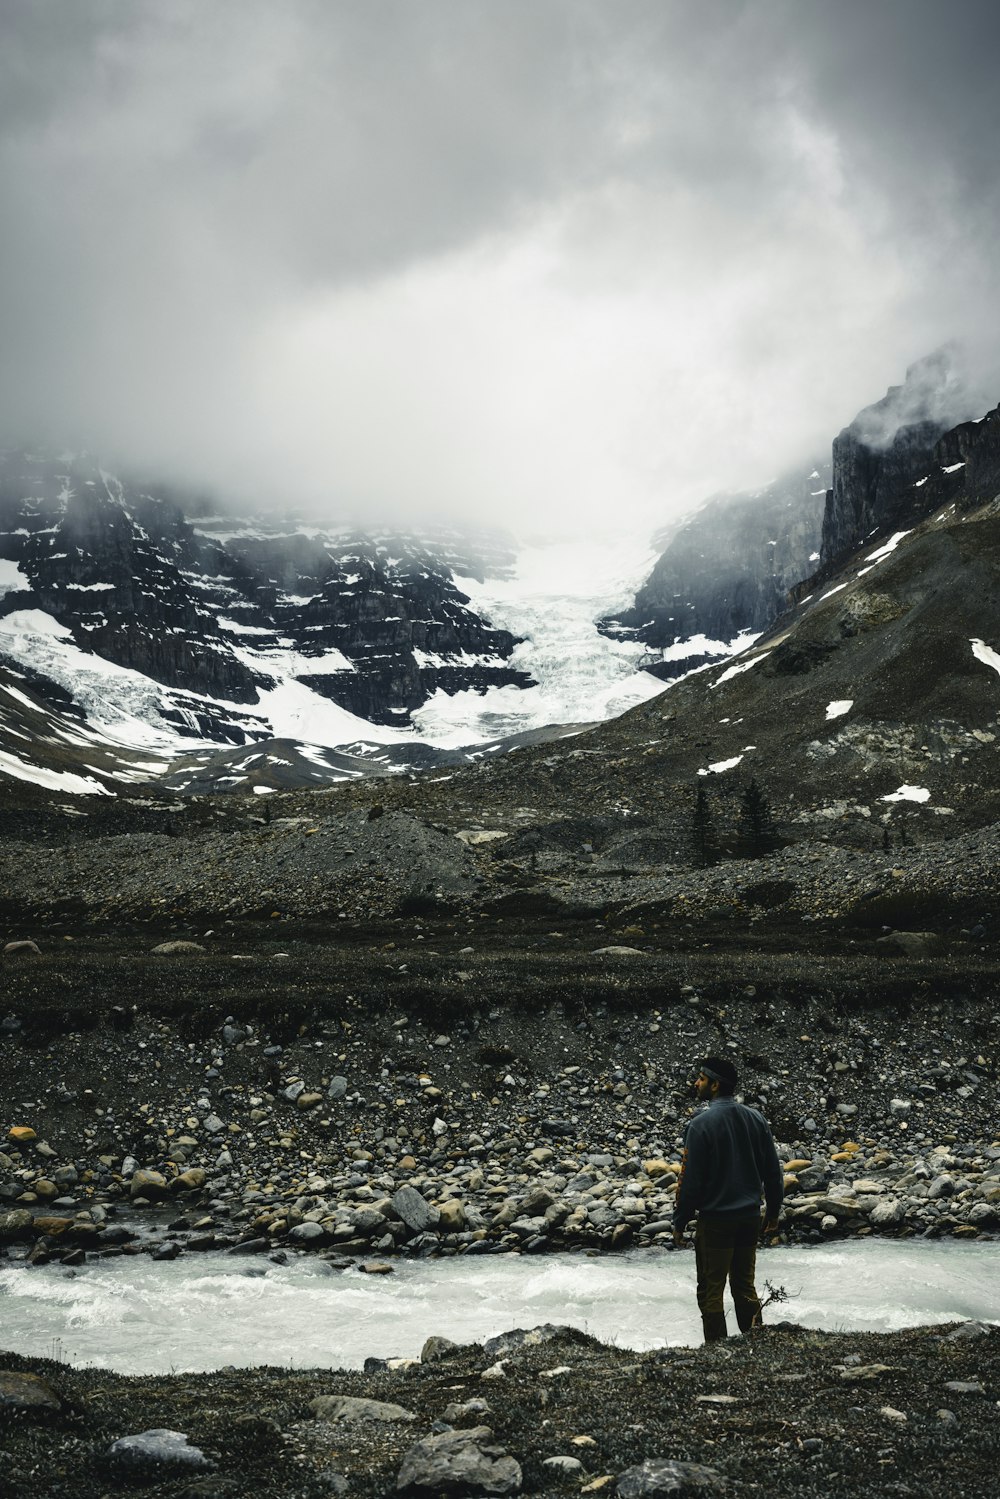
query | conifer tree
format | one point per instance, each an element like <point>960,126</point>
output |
<point>756,834</point>
<point>704,843</point>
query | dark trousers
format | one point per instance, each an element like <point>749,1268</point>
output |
<point>727,1251</point>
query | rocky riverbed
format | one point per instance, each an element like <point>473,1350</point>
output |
<point>466,1097</point>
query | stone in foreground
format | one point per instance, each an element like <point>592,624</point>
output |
<point>357,1408</point>
<point>464,1463</point>
<point>658,1476</point>
<point>26,1395</point>
<point>158,1450</point>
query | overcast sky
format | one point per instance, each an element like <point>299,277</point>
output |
<point>556,263</point>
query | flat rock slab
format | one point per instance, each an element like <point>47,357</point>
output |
<point>466,1463</point>
<point>659,1475</point>
<point>157,1450</point>
<point>419,1215</point>
<point>356,1408</point>
<point>865,1373</point>
<point>26,1395</point>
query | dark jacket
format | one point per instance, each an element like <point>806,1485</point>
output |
<point>729,1156</point>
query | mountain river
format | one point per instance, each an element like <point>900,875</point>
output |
<point>204,1312</point>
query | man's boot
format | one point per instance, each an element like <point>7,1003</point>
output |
<point>714,1324</point>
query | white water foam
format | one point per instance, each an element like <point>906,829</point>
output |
<point>203,1312</point>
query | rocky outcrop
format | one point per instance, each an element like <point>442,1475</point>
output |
<point>728,569</point>
<point>735,565</point>
<point>146,579</point>
<point>890,451</point>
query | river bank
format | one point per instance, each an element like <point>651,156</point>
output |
<point>446,1088</point>
<point>785,1412</point>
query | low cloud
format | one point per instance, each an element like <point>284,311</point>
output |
<point>552,263</point>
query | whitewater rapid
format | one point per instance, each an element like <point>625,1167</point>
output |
<point>203,1312</point>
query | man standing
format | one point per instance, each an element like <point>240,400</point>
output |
<point>729,1157</point>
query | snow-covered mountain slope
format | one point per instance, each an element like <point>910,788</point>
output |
<point>146,640</point>
<point>869,717</point>
<point>214,606</point>
<point>168,636</point>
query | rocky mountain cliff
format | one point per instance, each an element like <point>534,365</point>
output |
<point>146,579</point>
<point>735,566</point>
<point>890,449</point>
<point>727,571</point>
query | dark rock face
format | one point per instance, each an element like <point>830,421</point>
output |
<point>149,581</point>
<point>729,568</point>
<point>883,459</point>
<point>961,469</point>
<point>737,564</point>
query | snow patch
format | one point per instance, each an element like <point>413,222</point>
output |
<point>908,794</point>
<point>839,708</point>
<point>11,577</point>
<point>882,552</point>
<point>986,654</point>
<point>701,645</point>
<point>52,780</point>
<point>721,765</point>
<point>734,671</point>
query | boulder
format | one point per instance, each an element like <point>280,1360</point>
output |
<point>887,1213</point>
<point>158,1451</point>
<point>536,1200</point>
<point>452,1216</point>
<point>17,1224</point>
<point>419,1215</point>
<point>171,949</point>
<point>53,1228</point>
<point>356,1408</point>
<point>656,1166</point>
<point>148,1184</point>
<point>307,1233</point>
<point>26,1395</point>
<point>911,944</point>
<point>368,1222</point>
<point>459,1462</point>
<point>190,1180</point>
<point>436,1348</point>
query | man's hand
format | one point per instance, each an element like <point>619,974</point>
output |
<point>679,1240</point>
<point>771,1225</point>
